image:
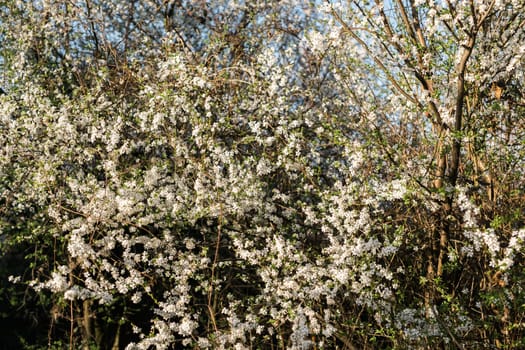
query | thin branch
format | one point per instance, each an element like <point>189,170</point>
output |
<point>376,60</point>
<point>417,26</point>
<point>406,20</point>
<point>458,113</point>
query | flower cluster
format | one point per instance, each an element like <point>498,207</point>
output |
<point>240,175</point>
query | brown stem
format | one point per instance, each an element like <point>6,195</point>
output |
<point>211,302</point>
<point>458,113</point>
<point>116,341</point>
<point>86,306</point>
<point>71,324</point>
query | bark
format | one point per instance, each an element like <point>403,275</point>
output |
<point>86,324</point>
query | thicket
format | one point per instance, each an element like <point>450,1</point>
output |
<point>262,174</point>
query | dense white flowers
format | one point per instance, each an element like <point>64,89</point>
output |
<point>242,176</point>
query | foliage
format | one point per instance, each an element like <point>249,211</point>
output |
<point>280,174</point>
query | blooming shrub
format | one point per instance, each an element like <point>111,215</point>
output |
<point>349,179</point>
